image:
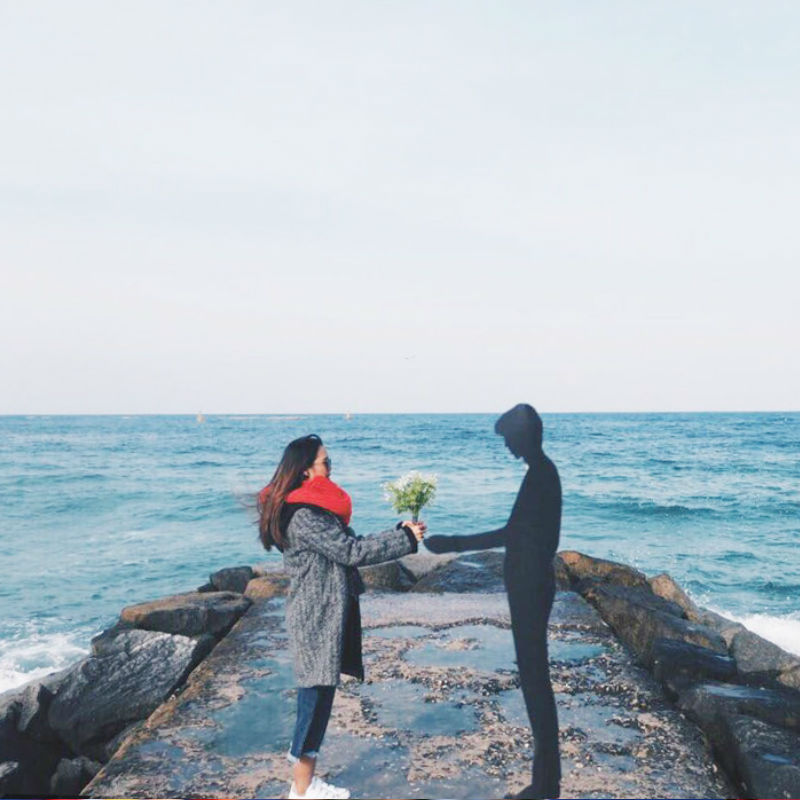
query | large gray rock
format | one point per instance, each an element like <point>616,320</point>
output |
<point>570,610</point>
<point>725,627</point>
<point>759,660</point>
<point>35,702</point>
<point>190,614</point>
<point>390,576</point>
<point>231,579</point>
<point>475,572</point>
<point>267,586</point>
<point>26,710</point>
<point>581,566</point>
<point>26,764</point>
<point>114,744</point>
<point>71,775</point>
<point>764,759</point>
<point>677,664</point>
<point>563,577</point>
<point>639,595</point>
<point>423,562</point>
<point>491,560</point>
<point>10,705</point>
<point>131,674</point>
<point>639,618</point>
<point>9,770</point>
<point>664,586</point>
<point>790,678</point>
<point>706,703</point>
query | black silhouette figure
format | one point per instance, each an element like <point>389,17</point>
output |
<point>531,539</point>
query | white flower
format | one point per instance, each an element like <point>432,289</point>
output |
<point>411,492</point>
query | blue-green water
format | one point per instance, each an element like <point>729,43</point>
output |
<point>102,511</point>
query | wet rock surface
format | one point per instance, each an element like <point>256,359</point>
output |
<point>441,714</point>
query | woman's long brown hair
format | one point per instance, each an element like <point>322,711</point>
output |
<point>298,456</point>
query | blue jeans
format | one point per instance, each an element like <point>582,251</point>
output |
<point>314,705</point>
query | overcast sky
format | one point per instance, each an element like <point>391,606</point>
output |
<point>410,206</point>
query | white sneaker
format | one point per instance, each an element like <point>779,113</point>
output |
<point>319,790</point>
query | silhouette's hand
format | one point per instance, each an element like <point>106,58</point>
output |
<point>417,528</point>
<point>440,544</point>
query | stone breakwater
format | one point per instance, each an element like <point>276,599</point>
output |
<point>740,689</point>
<point>57,732</point>
<point>192,695</point>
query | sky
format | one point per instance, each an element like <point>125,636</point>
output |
<point>278,207</point>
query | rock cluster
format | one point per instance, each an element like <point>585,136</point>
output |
<point>55,733</point>
<point>743,691</point>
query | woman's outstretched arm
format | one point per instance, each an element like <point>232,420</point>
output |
<point>459,544</point>
<point>319,531</point>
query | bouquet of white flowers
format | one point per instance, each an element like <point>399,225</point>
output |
<point>411,492</point>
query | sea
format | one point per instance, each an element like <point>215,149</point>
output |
<point>98,512</point>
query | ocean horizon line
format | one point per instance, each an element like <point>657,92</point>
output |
<point>301,414</point>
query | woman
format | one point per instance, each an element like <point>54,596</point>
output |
<point>531,539</point>
<point>306,516</point>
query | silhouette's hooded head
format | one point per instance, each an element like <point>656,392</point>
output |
<point>521,427</point>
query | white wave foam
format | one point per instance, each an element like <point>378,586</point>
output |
<point>782,631</point>
<point>23,660</point>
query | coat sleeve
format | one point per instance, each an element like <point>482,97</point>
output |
<point>320,532</point>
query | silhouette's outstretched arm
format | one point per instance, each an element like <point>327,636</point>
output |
<point>459,544</point>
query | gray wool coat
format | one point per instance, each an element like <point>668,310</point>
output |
<point>321,556</point>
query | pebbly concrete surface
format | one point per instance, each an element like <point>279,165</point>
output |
<point>439,716</point>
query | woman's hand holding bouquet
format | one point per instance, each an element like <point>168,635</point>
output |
<point>417,528</point>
